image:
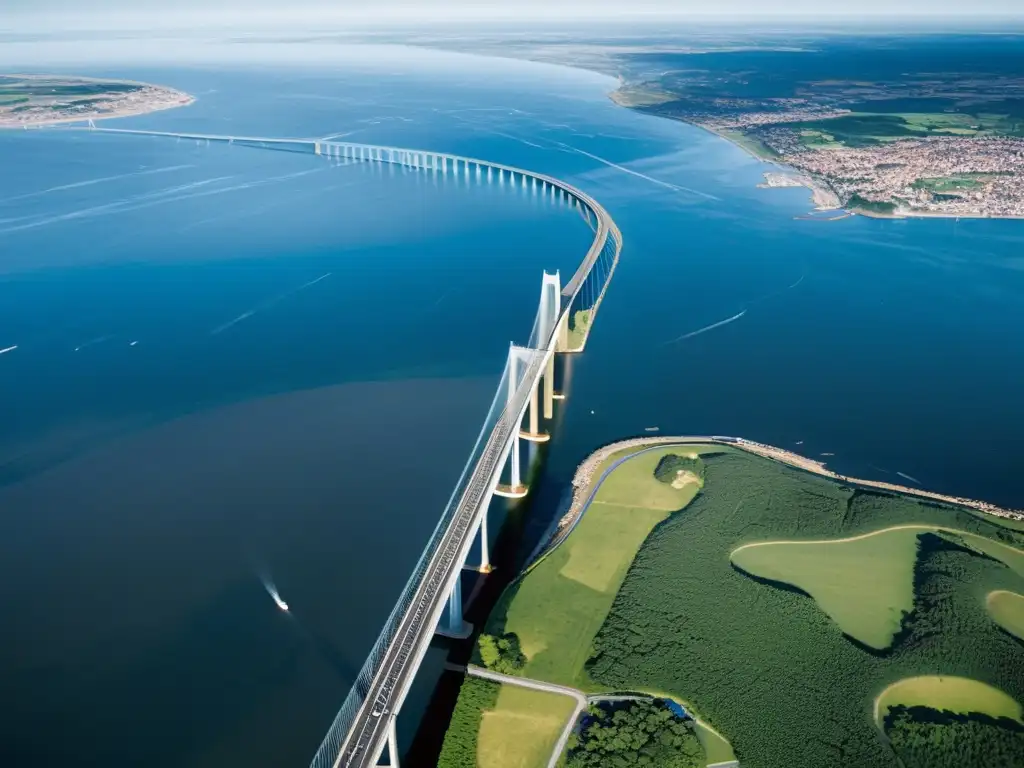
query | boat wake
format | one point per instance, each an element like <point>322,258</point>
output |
<point>707,328</point>
<point>631,172</point>
<point>908,477</point>
<point>268,304</point>
<point>272,591</point>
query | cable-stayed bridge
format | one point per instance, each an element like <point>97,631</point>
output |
<point>431,601</point>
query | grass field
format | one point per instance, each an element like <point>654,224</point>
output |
<point>522,729</point>
<point>960,695</point>
<point>1007,610</point>
<point>864,583</point>
<point>860,129</point>
<point>558,607</point>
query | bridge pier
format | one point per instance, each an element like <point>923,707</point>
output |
<point>456,628</point>
<point>485,547</point>
<point>549,389</point>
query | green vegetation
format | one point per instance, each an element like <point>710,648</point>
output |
<point>522,729</point>
<point>635,733</point>
<point>677,470</point>
<point>959,695</point>
<point>578,328</point>
<point>865,583</point>
<point>502,654</point>
<point>928,738</point>
<point>558,606</point>
<point>951,184</point>
<point>871,206</point>
<point>866,129</point>
<point>762,663</point>
<point>503,726</point>
<point>476,697</point>
<point>751,144</point>
<point>1007,610</point>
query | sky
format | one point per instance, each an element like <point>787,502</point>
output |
<point>41,15</point>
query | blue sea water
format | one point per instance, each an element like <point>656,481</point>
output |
<point>238,367</point>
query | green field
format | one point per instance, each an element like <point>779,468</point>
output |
<point>863,129</point>
<point>522,729</point>
<point>752,144</point>
<point>503,726</point>
<point>558,607</point>
<point>1007,610</point>
<point>959,695</point>
<point>763,664</point>
<point>865,583</point>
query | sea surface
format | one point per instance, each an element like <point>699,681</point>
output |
<point>229,371</point>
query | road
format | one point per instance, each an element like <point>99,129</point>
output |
<point>539,685</point>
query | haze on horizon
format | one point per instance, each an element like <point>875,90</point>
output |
<point>55,15</point>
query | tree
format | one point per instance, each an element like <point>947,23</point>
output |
<point>635,733</point>
<point>501,653</point>
<point>671,465</point>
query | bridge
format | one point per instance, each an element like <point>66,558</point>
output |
<point>431,601</point>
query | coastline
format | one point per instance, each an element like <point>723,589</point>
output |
<point>818,187</point>
<point>150,98</point>
<point>585,475</point>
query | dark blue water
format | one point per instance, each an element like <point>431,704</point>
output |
<point>316,346</point>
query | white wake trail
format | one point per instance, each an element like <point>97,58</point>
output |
<point>707,328</point>
<point>631,172</point>
<point>268,304</point>
<point>8,349</point>
<point>908,477</point>
<point>91,182</point>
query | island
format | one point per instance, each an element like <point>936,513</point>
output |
<point>716,601</point>
<point>33,100</point>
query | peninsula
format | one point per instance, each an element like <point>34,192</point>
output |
<point>693,579</point>
<point>32,100</point>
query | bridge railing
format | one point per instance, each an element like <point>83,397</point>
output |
<point>329,752</point>
<point>491,445</point>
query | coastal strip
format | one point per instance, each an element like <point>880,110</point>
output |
<point>588,471</point>
<point>35,100</point>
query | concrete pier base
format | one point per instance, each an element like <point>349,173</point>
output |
<point>511,491</point>
<point>534,437</point>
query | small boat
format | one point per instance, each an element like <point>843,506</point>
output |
<point>280,603</point>
<point>651,429</point>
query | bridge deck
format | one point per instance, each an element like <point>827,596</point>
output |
<point>365,718</point>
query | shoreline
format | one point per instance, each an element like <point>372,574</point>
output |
<point>817,186</point>
<point>150,98</point>
<point>585,475</point>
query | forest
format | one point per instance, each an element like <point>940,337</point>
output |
<point>762,663</point>
<point>460,743</point>
<point>926,738</point>
<point>635,733</point>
